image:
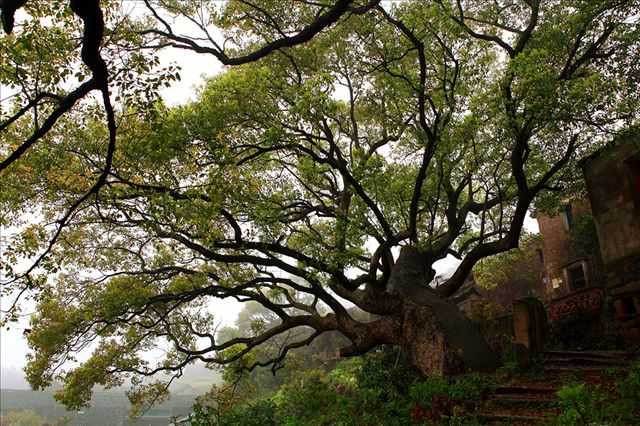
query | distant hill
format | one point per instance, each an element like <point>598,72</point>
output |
<point>106,409</point>
<point>197,379</point>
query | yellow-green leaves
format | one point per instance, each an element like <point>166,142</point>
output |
<point>97,370</point>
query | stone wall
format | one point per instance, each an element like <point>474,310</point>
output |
<point>613,183</point>
<point>614,194</point>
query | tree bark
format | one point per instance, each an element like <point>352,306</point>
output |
<point>441,340</point>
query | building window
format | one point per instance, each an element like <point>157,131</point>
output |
<point>577,277</point>
<point>540,255</point>
<point>628,307</point>
<point>567,217</point>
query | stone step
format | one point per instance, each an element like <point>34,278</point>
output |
<point>624,355</point>
<point>525,390</point>
<point>586,361</point>
<point>510,418</point>
<point>524,400</point>
<point>575,368</point>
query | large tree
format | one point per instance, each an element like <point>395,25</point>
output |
<point>350,147</point>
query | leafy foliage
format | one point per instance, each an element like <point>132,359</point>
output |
<point>360,391</point>
<point>519,265</point>
<point>583,404</point>
<point>584,237</point>
<point>431,125</point>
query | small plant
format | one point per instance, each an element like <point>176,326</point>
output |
<point>509,368</point>
<point>534,371</point>
<point>581,405</point>
<point>472,387</point>
<point>438,399</point>
<point>309,392</point>
<point>259,413</point>
<point>615,371</point>
<point>630,387</point>
<point>440,409</point>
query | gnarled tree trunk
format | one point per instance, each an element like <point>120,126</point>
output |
<point>440,339</point>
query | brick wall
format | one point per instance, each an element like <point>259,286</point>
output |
<point>558,252</point>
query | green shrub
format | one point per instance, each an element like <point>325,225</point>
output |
<point>467,388</point>
<point>472,387</point>
<point>422,393</point>
<point>307,393</point>
<point>630,388</point>
<point>354,394</point>
<point>581,405</point>
<point>387,369</point>
<point>259,413</point>
<point>377,389</point>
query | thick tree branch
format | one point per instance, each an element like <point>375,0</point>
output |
<point>323,21</point>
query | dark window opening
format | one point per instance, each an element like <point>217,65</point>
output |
<point>628,307</point>
<point>540,255</point>
<point>577,278</point>
<point>632,270</point>
<point>567,217</point>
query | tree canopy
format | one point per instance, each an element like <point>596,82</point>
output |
<point>339,133</point>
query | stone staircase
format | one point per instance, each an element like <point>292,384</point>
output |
<point>519,405</point>
<point>531,402</point>
<point>559,361</point>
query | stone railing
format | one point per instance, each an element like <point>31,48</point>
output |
<point>584,303</point>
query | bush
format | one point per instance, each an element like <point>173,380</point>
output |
<point>438,399</point>
<point>469,388</point>
<point>581,405</point>
<point>259,413</point>
<point>389,370</point>
<point>585,405</point>
<point>307,393</point>
<point>630,388</point>
<point>361,391</point>
<point>422,393</point>
<point>378,388</point>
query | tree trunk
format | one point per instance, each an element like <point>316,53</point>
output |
<point>440,339</point>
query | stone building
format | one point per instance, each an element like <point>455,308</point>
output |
<point>591,249</point>
<point>612,177</point>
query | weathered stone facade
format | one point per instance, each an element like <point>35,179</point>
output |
<point>613,183</point>
<point>598,289</point>
<point>590,254</point>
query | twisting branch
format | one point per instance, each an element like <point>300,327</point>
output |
<point>93,30</point>
<point>430,133</point>
<point>8,9</point>
<point>64,106</point>
<point>321,22</point>
<point>32,104</point>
